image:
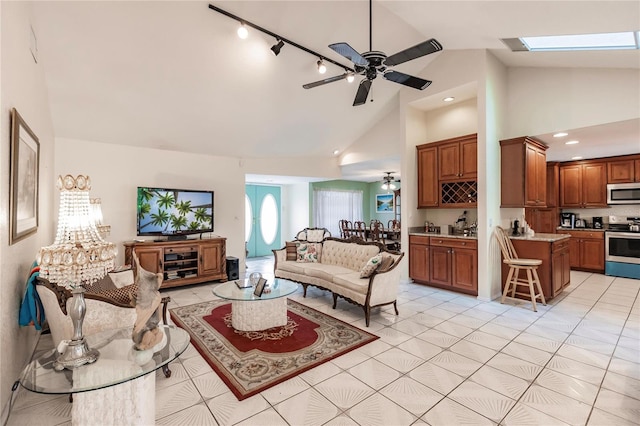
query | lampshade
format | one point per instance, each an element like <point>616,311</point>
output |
<point>96,217</point>
<point>387,186</point>
<point>78,255</point>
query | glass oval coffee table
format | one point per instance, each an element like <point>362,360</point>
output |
<point>252,313</point>
<point>116,389</point>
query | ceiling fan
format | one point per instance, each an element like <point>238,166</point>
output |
<point>387,181</point>
<point>373,63</point>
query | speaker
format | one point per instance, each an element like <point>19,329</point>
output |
<point>233,268</point>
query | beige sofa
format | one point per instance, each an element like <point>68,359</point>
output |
<point>339,271</point>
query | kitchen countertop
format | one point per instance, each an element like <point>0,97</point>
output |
<point>540,236</point>
<point>435,234</point>
<point>561,228</point>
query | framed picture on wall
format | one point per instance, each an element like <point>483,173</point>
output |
<point>384,203</point>
<point>23,197</point>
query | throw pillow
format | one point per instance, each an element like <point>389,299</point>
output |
<point>371,265</point>
<point>308,252</point>
<point>291,250</point>
<point>386,262</point>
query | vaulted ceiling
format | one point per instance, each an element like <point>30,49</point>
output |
<point>174,75</point>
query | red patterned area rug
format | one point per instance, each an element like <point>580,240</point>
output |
<point>250,362</point>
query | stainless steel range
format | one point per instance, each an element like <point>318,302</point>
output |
<point>622,247</point>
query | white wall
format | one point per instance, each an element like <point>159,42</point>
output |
<point>380,141</point>
<point>22,85</point>
<point>544,100</point>
<point>295,210</point>
<point>452,120</point>
<point>491,125</point>
<point>116,171</point>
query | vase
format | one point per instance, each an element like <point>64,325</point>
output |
<point>77,352</point>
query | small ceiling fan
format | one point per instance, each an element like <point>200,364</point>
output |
<point>387,182</point>
<point>373,63</point>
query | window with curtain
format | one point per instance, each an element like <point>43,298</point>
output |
<point>332,205</point>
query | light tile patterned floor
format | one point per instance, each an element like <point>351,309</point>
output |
<point>447,359</point>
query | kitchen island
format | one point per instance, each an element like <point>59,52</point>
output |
<point>553,250</point>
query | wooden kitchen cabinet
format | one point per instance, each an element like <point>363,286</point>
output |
<point>458,158</point>
<point>181,262</point>
<point>454,264</point>
<point>450,263</point>
<point>626,170</point>
<point>428,193</point>
<point>586,250</point>
<point>419,258</point>
<point>583,184</point>
<point>542,220</point>
<point>554,272</point>
<point>523,166</point>
<point>553,182</point>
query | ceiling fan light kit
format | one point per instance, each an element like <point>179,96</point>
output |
<point>368,64</point>
<point>387,182</point>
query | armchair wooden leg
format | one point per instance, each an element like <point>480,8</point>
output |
<point>165,301</point>
<point>395,306</point>
<point>166,371</point>
<point>367,315</point>
<point>335,300</point>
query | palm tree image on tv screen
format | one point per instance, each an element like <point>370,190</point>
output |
<point>174,212</point>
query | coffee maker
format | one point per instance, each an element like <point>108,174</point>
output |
<point>597,222</point>
<point>568,220</point>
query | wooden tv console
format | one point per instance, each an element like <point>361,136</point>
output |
<point>181,262</point>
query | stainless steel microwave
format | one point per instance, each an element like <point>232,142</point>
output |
<point>623,193</point>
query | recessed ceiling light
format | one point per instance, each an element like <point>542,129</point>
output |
<point>560,134</point>
<point>579,157</point>
<point>336,152</point>
<point>571,142</point>
<point>448,99</point>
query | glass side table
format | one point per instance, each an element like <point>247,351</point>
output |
<point>253,313</point>
<point>117,388</point>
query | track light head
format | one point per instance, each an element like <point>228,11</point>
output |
<point>322,68</point>
<point>276,47</point>
<point>243,32</point>
<point>350,77</point>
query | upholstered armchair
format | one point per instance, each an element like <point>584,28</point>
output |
<point>110,304</point>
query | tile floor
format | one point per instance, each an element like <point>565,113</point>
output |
<point>447,359</point>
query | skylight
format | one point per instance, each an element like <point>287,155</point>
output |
<point>604,41</point>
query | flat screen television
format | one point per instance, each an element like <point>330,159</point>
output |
<point>174,213</point>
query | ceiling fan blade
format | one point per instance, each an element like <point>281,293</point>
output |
<point>362,93</point>
<point>407,80</point>
<point>421,49</point>
<point>325,81</point>
<point>350,53</point>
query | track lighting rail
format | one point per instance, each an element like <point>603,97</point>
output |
<point>279,37</point>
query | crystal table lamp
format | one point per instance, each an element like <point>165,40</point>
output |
<point>78,256</point>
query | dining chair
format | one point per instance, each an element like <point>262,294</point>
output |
<point>515,266</point>
<point>359,229</point>
<point>346,228</point>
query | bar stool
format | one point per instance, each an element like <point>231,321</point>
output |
<point>515,266</point>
